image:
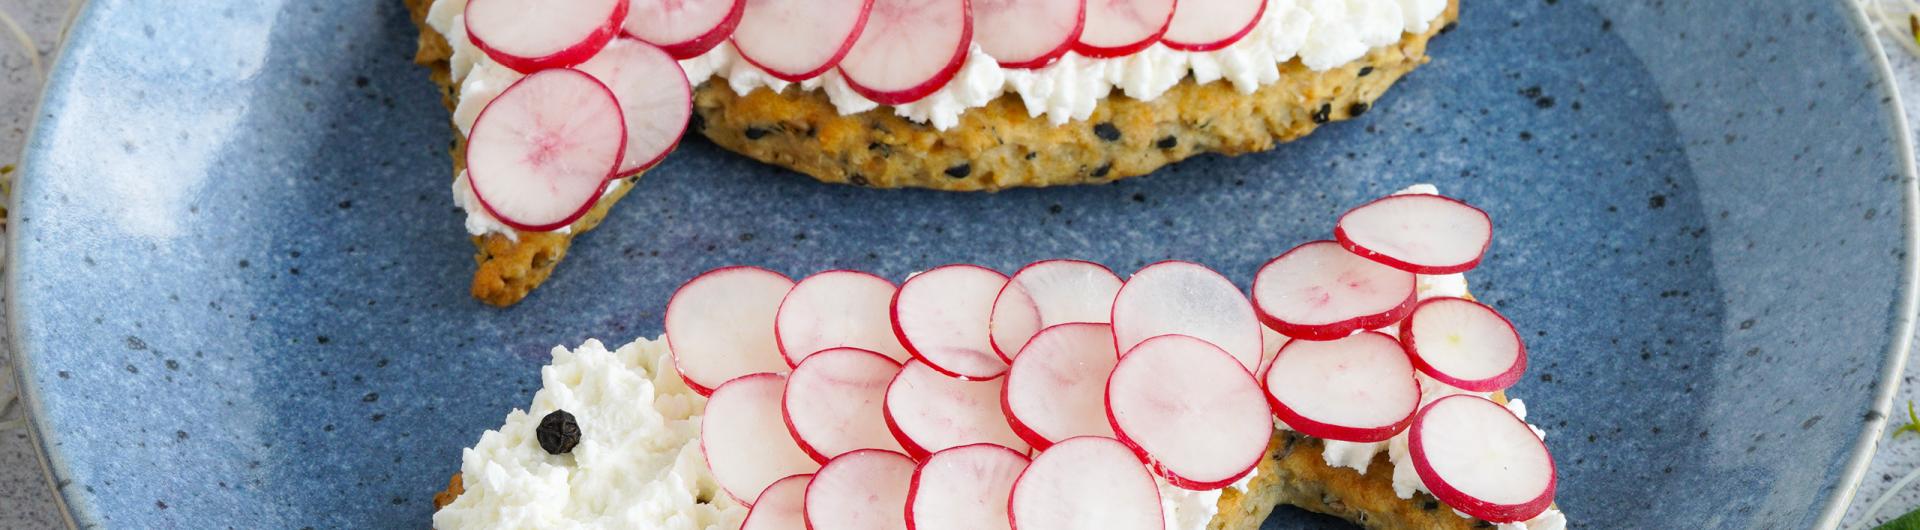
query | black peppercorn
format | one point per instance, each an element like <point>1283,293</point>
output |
<point>1366,71</point>
<point>960,171</point>
<point>756,133</point>
<point>558,433</point>
<point>1106,131</point>
<point>1357,109</point>
<point>1323,115</point>
<point>1168,143</point>
<point>1102,171</point>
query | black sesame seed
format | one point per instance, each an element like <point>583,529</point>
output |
<point>1106,131</point>
<point>1450,25</point>
<point>1169,142</point>
<point>880,149</point>
<point>1325,114</point>
<point>756,133</point>
<point>558,432</point>
<point>960,171</point>
<point>1357,109</point>
<point>1366,71</point>
<point>859,180</point>
<point>1032,154</point>
<point>1103,171</point>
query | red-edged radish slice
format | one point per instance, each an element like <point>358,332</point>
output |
<point>861,490</point>
<point>1190,410</point>
<point>720,325</point>
<point>1418,233</point>
<point>746,443</point>
<point>1123,27</point>
<point>538,155</point>
<point>1356,389</point>
<point>796,40</point>
<point>654,99</point>
<point>533,35</point>
<point>1027,33</point>
<point>834,402</point>
<point>909,48</point>
<point>684,28</point>
<point>838,309</point>
<point>1319,291</point>
<point>1086,483</point>
<point>1272,341</point>
<point>941,316</point>
<point>928,412</point>
<point>1207,25</point>
<point>1181,298</point>
<point>1464,343</point>
<point>1474,455</point>
<point>1049,293</point>
<point>964,488</point>
<point>1057,388</point>
<point>781,507</point>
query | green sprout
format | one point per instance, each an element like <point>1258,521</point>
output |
<point>1913,423</point>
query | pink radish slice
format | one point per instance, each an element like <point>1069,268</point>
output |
<point>720,325</point>
<point>1207,25</point>
<point>533,35</point>
<point>909,48</point>
<point>1356,389</point>
<point>538,155</point>
<point>1465,344</point>
<point>861,490</point>
<point>964,488</point>
<point>684,28</point>
<point>781,507</point>
<point>1027,33</point>
<point>1423,234</point>
<point>1480,459</point>
<point>1086,483</point>
<point>654,99</point>
<point>838,309</point>
<point>929,412</point>
<point>796,40</point>
<point>1181,298</point>
<point>1123,27</point>
<point>1049,293</point>
<point>1057,388</point>
<point>1319,291</point>
<point>1190,410</point>
<point>941,316</point>
<point>834,402</point>
<point>746,444</point>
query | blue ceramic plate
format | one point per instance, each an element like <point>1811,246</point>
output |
<point>239,294</point>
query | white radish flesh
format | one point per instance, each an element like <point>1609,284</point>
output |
<point>1356,389</point>
<point>533,35</point>
<point>834,402</point>
<point>1027,33</point>
<point>1181,298</point>
<point>720,325</point>
<point>654,99</point>
<point>964,488</point>
<point>539,155</point>
<point>1086,483</point>
<point>1319,291</point>
<point>795,40</point>
<point>781,506</point>
<point>1424,234</point>
<point>684,28</point>
<point>1122,27</point>
<point>1049,293</point>
<point>746,443</point>
<point>837,309</point>
<point>909,49</point>
<point>1190,410</point>
<point>1465,344</point>
<point>1474,455</point>
<point>1273,341</point>
<point>1057,388</point>
<point>1206,25</point>
<point>861,490</point>
<point>941,316</point>
<point>928,411</point>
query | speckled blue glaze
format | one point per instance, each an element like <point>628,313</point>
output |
<point>239,285</point>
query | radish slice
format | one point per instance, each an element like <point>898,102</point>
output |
<point>781,506</point>
<point>654,99</point>
<point>1057,388</point>
<point>929,412</point>
<point>720,325</point>
<point>1319,291</point>
<point>837,309</point>
<point>964,488</point>
<point>834,402</point>
<point>532,35</point>
<point>1181,298</point>
<point>1123,27</point>
<point>538,155</point>
<point>1207,25</point>
<point>1273,341</point>
<point>1356,389</point>
<point>861,490</point>
<point>1464,343</point>
<point>684,28</point>
<point>796,40</point>
<point>1480,459</point>
<point>1190,410</point>
<point>909,48</point>
<point>1086,483</point>
<point>746,444</point>
<point>1418,233</point>
<point>1049,293</point>
<point>941,316</point>
<point>1027,33</point>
